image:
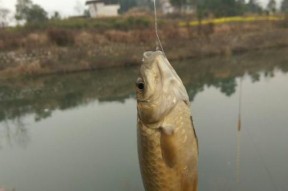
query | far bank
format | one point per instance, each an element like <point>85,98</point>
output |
<point>72,47</point>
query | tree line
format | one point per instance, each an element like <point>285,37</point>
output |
<point>32,13</point>
<point>220,8</point>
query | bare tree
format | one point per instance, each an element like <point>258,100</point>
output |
<point>271,6</point>
<point>4,16</point>
<point>4,19</point>
<point>284,6</point>
<point>79,8</point>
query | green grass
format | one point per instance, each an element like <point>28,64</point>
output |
<point>118,23</point>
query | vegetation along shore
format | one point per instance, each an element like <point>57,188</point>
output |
<point>82,43</point>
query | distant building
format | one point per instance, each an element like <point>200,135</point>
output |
<point>98,8</point>
<point>189,8</point>
<point>166,7</point>
<point>186,8</point>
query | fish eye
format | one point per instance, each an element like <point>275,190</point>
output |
<point>140,85</point>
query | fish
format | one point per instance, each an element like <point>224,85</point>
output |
<point>167,141</point>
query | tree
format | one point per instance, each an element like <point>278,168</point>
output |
<point>254,7</point>
<point>56,16</point>
<point>31,13</point>
<point>36,15</point>
<point>4,17</point>
<point>22,8</point>
<point>125,5</point>
<point>79,7</point>
<point>271,6</point>
<point>242,6</point>
<point>86,13</point>
<point>177,3</point>
<point>284,6</point>
<point>220,8</point>
<point>184,5</point>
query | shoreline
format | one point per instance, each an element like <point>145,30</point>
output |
<point>91,50</point>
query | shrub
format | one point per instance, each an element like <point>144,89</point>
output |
<point>102,24</point>
<point>9,40</point>
<point>139,22</point>
<point>83,38</point>
<point>143,36</point>
<point>61,37</point>
<point>117,36</point>
<point>283,23</point>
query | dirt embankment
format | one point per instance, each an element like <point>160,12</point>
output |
<point>68,50</point>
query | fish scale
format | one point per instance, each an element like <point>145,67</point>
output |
<point>157,176</point>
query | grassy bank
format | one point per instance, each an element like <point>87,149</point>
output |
<point>86,44</point>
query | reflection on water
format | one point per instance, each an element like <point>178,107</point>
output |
<point>41,96</point>
<point>78,131</point>
<point>14,132</point>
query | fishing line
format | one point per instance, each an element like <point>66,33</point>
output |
<point>258,151</point>
<point>261,159</point>
<point>158,41</point>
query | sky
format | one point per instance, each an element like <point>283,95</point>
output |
<point>67,7</point>
<point>64,7</point>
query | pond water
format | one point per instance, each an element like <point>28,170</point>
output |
<point>78,131</point>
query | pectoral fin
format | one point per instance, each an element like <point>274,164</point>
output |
<point>168,146</point>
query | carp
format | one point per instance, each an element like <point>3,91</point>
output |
<point>167,142</point>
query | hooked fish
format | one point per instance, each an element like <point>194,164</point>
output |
<point>167,142</point>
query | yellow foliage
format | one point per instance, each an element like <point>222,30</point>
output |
<point>225,20</point>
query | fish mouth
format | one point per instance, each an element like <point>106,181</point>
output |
<point>142,100</point>
<point>147,54</point>
<point>150,55</point>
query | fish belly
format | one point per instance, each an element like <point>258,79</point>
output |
<point>156,174</point>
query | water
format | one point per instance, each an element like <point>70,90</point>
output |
<point>78,131</point>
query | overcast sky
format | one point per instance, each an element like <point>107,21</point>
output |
<point>67,7</point>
